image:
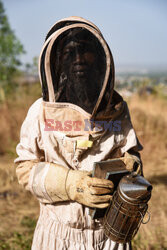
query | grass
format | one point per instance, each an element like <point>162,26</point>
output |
<point>13,112</point>
<point>18,240</point>
<point>149,117</point>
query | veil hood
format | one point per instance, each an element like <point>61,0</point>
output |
<point>108,101</point>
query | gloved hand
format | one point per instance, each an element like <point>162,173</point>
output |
<point>132,162</point>
<point>89,191</point>
<point>63,184</point>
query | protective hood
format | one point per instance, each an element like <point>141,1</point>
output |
<point>76,67</point>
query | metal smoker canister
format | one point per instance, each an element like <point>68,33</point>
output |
<point>127,209</point>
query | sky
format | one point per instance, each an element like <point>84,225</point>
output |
<point>136,30</point>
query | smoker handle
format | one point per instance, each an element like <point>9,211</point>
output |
<point>145,222</point>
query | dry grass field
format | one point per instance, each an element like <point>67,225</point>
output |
<point>149,117</point>
<point>19,210</point>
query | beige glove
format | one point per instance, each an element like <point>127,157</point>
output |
<point>91,192</point>
<point>63,184</point>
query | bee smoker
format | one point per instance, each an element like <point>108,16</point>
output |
<point>127,209</point>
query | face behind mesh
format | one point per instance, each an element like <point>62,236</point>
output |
<point>78,65</point>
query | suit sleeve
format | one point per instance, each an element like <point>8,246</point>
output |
<point>31,167</point>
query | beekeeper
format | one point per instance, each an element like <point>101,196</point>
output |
<point>61,137</point>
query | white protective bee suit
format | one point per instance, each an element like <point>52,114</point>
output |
<point>56,137</point>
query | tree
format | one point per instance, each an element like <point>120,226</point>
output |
<point>10,50</point>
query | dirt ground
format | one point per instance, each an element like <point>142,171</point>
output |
<point>19,209</point>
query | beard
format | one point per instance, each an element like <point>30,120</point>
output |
<point>80,93</point>
<point>80,89</point>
